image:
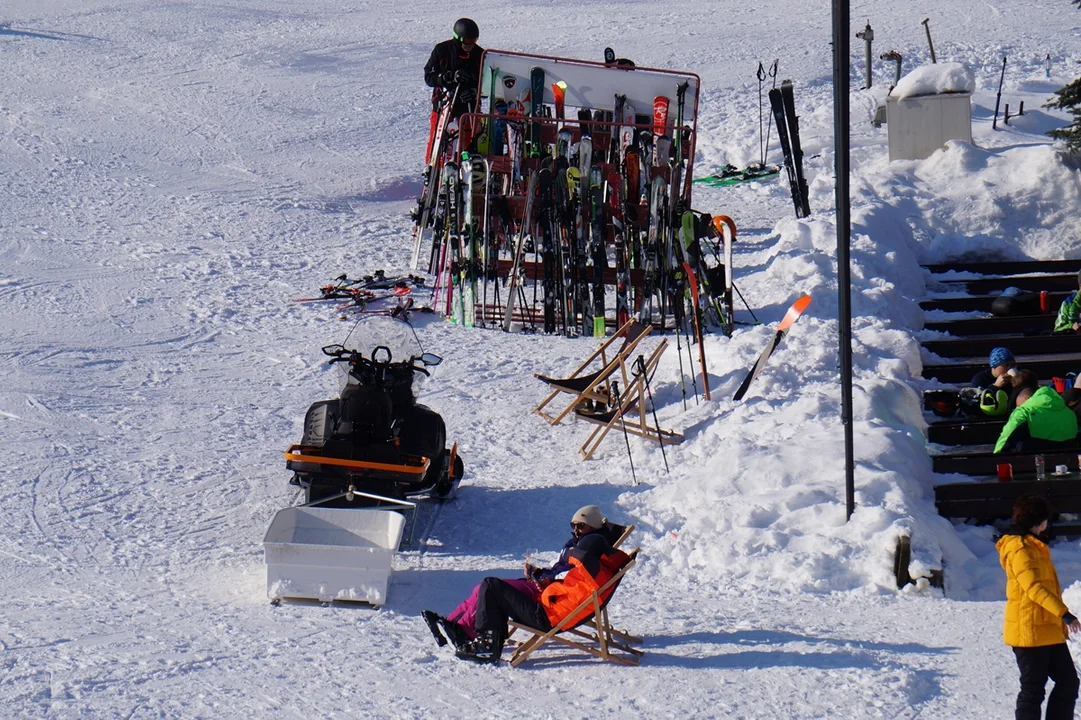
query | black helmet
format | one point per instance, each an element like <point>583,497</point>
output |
<point>466,29</point>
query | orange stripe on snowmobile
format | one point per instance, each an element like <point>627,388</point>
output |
<point>292,455</point>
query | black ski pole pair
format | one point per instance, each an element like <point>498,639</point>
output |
<point>763,147</point>
<point>641,363</point>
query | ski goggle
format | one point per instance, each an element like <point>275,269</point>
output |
<point>463,40</point>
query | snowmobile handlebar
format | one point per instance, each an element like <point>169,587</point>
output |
<point>380,357</point>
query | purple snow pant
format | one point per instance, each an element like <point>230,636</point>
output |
<point>465,614</point>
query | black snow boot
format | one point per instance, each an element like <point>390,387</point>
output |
<point>432,621</point>
<point>487,648</point>
<point>455,633</point>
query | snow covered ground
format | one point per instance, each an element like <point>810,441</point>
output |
<point>174,173</point>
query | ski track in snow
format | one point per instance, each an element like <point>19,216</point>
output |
<point>175,174</point>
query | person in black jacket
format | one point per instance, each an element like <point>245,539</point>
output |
<point>455,65</point>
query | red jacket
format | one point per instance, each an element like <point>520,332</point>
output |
<point>561,597</point>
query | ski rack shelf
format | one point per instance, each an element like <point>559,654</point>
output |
<point>498,195</point>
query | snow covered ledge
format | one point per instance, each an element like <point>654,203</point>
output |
<point>930,105</point>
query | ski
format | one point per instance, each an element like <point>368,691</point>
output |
<point>585,163</point>
<point>514,281</point>
<point>790,317</point>
<point>597,250</point>
<point>697,317</point>
<point>731,175</point>
<point>777,105</point>
<point>536,102</point>
<point>789,102</point>
<point>545,216</point>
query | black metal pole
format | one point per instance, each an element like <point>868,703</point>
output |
<point>841,64</point>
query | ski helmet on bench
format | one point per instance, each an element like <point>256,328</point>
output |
<point>466,29</point>
<point>994,402</point>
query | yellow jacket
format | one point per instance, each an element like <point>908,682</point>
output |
<point>1034,606</point>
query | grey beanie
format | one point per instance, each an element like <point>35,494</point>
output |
<point>590,515</point>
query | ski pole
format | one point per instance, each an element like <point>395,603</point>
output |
<point>761,129</point>
<point>653,407</point>
<point>619,408</point>
<point>994,122</point>
<point>769,120</point>
<point>756,321</point>
<point>682,377</point>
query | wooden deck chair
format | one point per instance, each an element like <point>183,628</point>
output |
<point>594,634</point>
<point>616,534</point>
<point>630,414</point>
<point>594,385</point>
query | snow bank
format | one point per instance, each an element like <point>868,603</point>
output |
<point>935,80</point>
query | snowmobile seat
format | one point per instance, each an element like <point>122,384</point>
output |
<point>366,412</point>
<point>593,635</point>
<point>594,386</point>
<point>627,411</point>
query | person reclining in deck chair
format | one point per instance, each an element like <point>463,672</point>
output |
<point>1041,421</point>
<point>459,624</point>
<point>593,563</point>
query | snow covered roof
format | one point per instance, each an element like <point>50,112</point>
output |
<point>935,80</point>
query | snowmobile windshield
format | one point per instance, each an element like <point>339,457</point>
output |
<point>383,340</point>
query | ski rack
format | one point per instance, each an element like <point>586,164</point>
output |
<point>590,86</point>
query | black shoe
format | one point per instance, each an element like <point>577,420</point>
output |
<point>455,633</point>
<point>483,659</point>
<point>488,647</point>
<point>432,621</point>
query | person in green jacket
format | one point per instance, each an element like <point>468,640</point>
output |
<point>1041,421</point>
<point>1069,313</point>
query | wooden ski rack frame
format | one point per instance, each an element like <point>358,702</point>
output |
<point>592,86</point>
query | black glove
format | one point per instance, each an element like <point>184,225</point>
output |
<point>446,77</point>
<point>467,96</point>
<point>464,77</point>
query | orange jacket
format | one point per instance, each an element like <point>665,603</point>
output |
<point>561,597</point>
<point>1034,606</point>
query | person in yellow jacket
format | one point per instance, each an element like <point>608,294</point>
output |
<point>1037,622</point>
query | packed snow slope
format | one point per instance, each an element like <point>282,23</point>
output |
<point>174,173</point>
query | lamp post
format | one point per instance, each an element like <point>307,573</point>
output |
<point>841,65</point>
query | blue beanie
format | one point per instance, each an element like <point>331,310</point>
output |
<point>1000,356</point>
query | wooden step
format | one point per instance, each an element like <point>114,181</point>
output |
<point>995,285</point>
<point>1045,366</point>
<point>973,431</point>
<point>979,303</point>
<point>986,463</point>
<point>1010,267</point>
<point>994,500</point>
<point>991,325</point>
<point>1035,345</point>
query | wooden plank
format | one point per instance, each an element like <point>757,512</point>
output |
<point>1036,345</point>
<point>978,303</point>
<point>986,463</point>
<point>1045,366</point>
<point>965,432</point>
<point>1009,267</point>
<point>1070,487</point>
<point>991,325</point>
<point>995,285</point>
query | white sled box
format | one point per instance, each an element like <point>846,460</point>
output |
<point>331,553</point>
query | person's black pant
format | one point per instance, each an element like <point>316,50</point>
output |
<point>497,601</point>
<point>1037,664</point>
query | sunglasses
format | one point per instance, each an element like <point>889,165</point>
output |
<point>579,526</point>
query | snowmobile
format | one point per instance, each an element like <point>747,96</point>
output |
<point>375,439</point>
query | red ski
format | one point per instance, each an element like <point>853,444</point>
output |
<point>698,328</point>
<point>790,317</point>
